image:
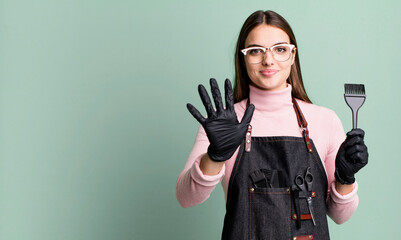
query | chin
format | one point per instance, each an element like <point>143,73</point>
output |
<point>269,85</point>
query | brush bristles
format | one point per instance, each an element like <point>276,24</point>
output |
<point>358,89</point>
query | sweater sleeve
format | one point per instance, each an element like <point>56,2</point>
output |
<point>339,207</point>
<point>193,187</point>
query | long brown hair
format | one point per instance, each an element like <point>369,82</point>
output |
<point>242,81</point>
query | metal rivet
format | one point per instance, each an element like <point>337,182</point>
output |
<point>252,189</point>
<point>248,134</point>
<point>294,217</point>
<point>248,149</point>
<point>313,194</point>
<point>295,238</point>
<point>310,237</point>
<point>288,190</point>
<point>248,141</point>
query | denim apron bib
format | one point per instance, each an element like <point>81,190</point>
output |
<point>263,201</point>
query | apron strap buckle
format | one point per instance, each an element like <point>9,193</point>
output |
<point>248,138</point>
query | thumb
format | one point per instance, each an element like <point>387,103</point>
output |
<point>246,119</point>
<point>356,132</point>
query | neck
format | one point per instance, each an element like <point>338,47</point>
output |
<point>271,101</point>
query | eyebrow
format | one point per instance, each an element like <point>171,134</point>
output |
<point>257,45</point>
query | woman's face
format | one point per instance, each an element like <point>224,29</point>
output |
<point>269,74</point>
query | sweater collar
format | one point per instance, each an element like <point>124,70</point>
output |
<point>271,101</point>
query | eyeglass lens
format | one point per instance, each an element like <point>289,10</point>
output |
<point>280,54</point>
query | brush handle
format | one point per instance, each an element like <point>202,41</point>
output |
<point>354,102</point>
<point>354,118</point>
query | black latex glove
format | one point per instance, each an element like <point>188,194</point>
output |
<point>351,157</point>
<point>224,131</point>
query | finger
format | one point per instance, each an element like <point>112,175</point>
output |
<point>356,132</point>
<point>363,156</point>
<point>246,119</point>
<point>229,95</point>
<point>359,157</point>
<point>216,95</point>
<point>353,141</point>
<point>206,101</point>
<point>195,113</point>
<point>354,149</point>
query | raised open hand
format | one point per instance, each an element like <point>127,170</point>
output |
<point>222,128</point>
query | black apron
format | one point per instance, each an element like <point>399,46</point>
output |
<point>263,201</point>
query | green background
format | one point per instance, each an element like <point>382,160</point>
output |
<point>93,125</point>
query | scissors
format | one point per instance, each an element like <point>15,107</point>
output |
<point>305,184</point>
<point>302,181</point>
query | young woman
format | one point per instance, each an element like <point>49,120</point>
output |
<point>284,163</point>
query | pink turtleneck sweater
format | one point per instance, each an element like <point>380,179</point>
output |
<point>273,116</point>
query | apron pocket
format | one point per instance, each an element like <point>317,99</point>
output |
<point>269,213</point>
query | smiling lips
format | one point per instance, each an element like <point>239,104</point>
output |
<point>268,72</point>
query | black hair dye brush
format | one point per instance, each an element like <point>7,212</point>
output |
<point>354,97</point>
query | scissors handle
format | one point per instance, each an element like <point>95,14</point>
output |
<point>308,179</point>
<point>300,182</point>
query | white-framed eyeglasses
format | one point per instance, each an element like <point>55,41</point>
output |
<point>280,53</point>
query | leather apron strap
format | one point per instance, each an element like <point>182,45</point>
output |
<point>303,124</point>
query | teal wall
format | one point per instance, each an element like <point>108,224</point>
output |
<point>93,125</point>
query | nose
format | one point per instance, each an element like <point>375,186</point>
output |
<point>268,58</point>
